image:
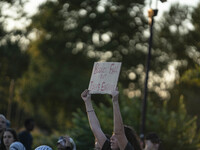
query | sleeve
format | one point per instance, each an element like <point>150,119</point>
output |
<point>106,145</point>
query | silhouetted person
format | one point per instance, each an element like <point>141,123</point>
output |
<point>25,136</point>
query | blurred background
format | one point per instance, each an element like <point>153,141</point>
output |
<point>47,52</point>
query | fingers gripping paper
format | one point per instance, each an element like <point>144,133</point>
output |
<point>104,77</point>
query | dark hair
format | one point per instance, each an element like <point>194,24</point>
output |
<point>13,132</point>
<point>28,121</point>
<point>153,137</point>
<point>107,136</point>
<point>69,139</point>
<point>29,124</point>
<point>132,137</point>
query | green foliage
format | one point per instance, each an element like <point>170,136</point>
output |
<point>189,86</point>
<point>41,138</point>
<point>177,129</point>
<point>81,131</point>
<point>14,60</point>
<point>191,77</point>
<point>13,63</point>
<point>175,41</point>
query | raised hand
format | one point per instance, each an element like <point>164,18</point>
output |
<point>85,95</point>
<point>115,94</point>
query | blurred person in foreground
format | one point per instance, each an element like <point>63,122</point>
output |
<point>123,138</point>
<point>17,146</point>
<point>66,143</point>
<point>43,147</point>
<point>152,141</point>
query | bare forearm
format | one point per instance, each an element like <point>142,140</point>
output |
<point>94,123</point>
<point>118,122</point>
<point>93,120</point>
<point>88,105</point>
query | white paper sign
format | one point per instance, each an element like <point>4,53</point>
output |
<point>104,77</point>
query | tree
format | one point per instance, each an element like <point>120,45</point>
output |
<point>181,43</point>
<point>13,59</point>
<point>65,34</point>
<point>188,86</point>
<point>69,37</point>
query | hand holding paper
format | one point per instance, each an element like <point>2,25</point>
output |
<point>115,95</point>
<point>85,95</point>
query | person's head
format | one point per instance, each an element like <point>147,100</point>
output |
<point>9,136</point>
<point>17,146</point>
<point>43,147</point>
<point>152,141</point>
<point>131,137</point>
<point>114,142</point>
<point>2,123</point>
<point>66,143</point>
<point>29,124</point>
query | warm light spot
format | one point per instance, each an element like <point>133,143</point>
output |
<point>131,94</point>
<point>95,38</point>
<point>91,54</point>
<point>105,37</point>
<point>105,56</point>
<point>100,9</point>
<point>132,75</point>
<point>82,12</point>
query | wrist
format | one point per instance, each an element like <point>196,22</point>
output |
<point>115,99</point>
<point>88,100</point>
<point>91,110</point>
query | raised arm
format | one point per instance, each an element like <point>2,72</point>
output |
<point>93,120</point>
<point>118,122</point>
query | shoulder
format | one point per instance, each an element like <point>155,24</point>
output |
<point>22,132</point>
